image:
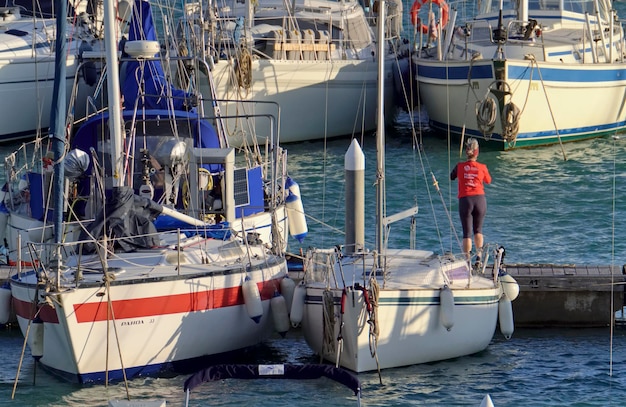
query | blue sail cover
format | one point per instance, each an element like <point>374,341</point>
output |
<point>94,130</point>
<point>166,104</point>
<point>91,134</point>
<point>149,75</point>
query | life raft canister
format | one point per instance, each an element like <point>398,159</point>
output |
<point>417,4</point>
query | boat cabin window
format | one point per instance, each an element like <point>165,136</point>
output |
<point>579,6</point>
<point>576,6</point>
<point>493,6</point>
<point>156,154</point>
<point>355,31</point>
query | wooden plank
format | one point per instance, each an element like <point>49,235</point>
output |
<point>286,46</point>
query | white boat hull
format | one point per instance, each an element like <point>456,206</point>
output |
<point>544,78</point>
<point>317,99</point>
<point>27,77</point>
<point>551,111</point>
<point>408,320</point>
<point>157,319</point>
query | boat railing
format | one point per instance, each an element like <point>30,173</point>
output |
<point>281,39</point>
<point>320,265</point>
<point>474,36</point>
<point>89,253</point>
<point>30,159</point>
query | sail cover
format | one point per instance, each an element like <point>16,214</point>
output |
<point>126,220</point>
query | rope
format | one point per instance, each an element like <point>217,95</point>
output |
<point>469,87</point>
<point>532,59</point>
<point>107,278</point>
<point>373,314</point>
<point>243,69</point>
<point>372,307</point>
<point>328,310</point>
<point>486,112</point>
<point>19,366</point>
<point>510,122</point>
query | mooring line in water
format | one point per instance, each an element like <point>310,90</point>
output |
<point>107,280</point>
<point>19,366</point>
<point>612,325</point>
<point>543,86</point>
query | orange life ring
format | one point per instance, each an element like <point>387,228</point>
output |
<point>417,4</point>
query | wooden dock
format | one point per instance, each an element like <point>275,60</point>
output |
<point>553,295</point>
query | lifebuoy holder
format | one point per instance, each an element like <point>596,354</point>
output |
<point>417,5</point>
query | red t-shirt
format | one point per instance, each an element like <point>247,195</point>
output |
<point>472,175</point>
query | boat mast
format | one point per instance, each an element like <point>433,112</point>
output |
<point>380,134</point>
<point>113,89</point>
<point>57,133</point>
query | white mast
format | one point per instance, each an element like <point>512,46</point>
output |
<point>380,133</point>
<point>113,89</point>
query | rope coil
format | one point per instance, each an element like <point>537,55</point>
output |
<point>510,121</point>
<point>486,112</point>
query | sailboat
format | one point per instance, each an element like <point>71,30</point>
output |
<point>305,55</point>
<point>161,161</point>
<point>385,308</point>
<point>124,299</point>
<point>27,63</point>
<point>515,72</point>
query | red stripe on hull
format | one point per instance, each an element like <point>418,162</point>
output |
<point>26,310</point>
<point>150,306</point>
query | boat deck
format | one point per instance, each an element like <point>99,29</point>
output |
<point>196,257</point>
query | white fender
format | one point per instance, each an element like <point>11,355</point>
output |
<point>278,306</point>
<point>5,303</point>
<point>505,317</point>
<point>292,186</point>
<point>446,307</point>
<point>297,304</point>
<point>35,338</point>
<point>295,217</point>
<point>252,299</point>
<point>509,286</point>
<point>287,287</point>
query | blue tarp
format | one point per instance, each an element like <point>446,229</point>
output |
<point>220,231</point>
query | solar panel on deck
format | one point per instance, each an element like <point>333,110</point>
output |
<point>241,187</point>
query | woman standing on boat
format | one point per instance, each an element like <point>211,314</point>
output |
<point>472,176</point>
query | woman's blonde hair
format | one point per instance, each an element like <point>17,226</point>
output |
<point>471,148</point>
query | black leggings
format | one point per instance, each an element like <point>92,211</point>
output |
<point>472,210</point>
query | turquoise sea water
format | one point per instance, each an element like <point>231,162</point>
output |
<point>534,368</point>
<point>542,207</point>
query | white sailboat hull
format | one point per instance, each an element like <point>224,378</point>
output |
<point>550,108</point>
<point>27,77</point>
<point>532,83</point>
<point>157,317</point>
<point>406,325</point>
<point>317,99</point>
